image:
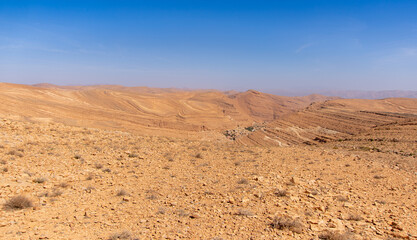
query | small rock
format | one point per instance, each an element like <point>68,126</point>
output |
<point>258,178</point>
<point>311,196</point>
<point>396,226</point>
<point>258,194</point>
<point>194,215</point>
<point>401,234</point>
<point>295,180</point>
<point>348,205</point>
<point>337,224</point>
<point>321,208</point>
<point>315,228</point>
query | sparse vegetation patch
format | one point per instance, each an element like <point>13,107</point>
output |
<point>287,222</point>
<point>18,202</point>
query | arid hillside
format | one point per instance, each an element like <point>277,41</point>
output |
<point>145,110</point>
<point>399,139</point>
<point>338,119</point>
<point>113,162</point>
<point>63,182</point>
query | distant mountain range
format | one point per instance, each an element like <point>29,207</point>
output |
<point>352,94</point>
<point>349,94</point>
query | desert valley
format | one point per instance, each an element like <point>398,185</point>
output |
<point>113,162</point>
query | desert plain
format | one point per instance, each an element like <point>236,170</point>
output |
<point>113,162</point>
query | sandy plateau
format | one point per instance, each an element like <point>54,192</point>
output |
<point>110,162</point>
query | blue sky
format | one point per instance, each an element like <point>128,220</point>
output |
<point>290,45</point>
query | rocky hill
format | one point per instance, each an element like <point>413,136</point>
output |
<point>146,110</point>
<point>333,120</point>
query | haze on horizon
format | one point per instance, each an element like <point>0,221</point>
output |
<point>265,45</point>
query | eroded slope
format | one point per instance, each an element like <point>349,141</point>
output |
<point>333,120</point>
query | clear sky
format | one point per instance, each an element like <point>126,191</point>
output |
<point>291,45</point>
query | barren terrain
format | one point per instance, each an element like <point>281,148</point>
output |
<point>109,162</point>
<point>146,110</point>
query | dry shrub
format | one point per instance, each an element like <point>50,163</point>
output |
<point>56,193</point>
<point>39,180</point>
<point>121,235</point>
<point>183,213</point>
<point>199,155</point>
<point>378,177</point>
<point>98,165</point>
<point>12,152</point>
<point>281,193</point>
<point>90,176</point>
<point>355,217</point>
<point>244,212</point>
<point>89,189</point>
<point>152,197</point>
<point>331,235</point>
<point>204,165</point>
<point>243,181</point>
<point>121,192</point>
<point>44,194</point>
<point>161,210</point>
<point>18,202</point>
<point>342,199</point>
<point>63,185</point>
<point>16,153</point>
<point>287,222</point>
